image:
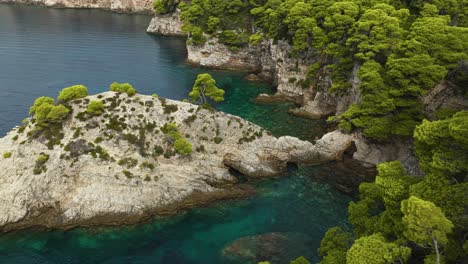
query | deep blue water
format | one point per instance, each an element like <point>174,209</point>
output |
<point>43,50</point>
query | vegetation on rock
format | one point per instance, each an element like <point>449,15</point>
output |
<point>72,93</point>
<point>123,88</point>
<point>7,155</point>
<point>407,214</point>
<point>95,107</point>
<point>400,48</point>
<point>205,89</point>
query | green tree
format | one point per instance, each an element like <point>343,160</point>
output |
<point>47,114</point>
<point>375,249</point>
<point>205,88</point>
<point>300,260</point>
<point>181,145</point>
<point>73,92</point>
<point>123,88</point>
<point>426,224</point>
<point>39,101</point>
<point>164,6</point>
<point>334,245</point>
<point>95,107</point>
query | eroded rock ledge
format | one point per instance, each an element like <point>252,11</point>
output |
<point>124,6</point>
<point>119,167</point>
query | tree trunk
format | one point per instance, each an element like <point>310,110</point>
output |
<point>436,247</point>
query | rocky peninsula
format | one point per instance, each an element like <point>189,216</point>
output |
<point>119,165</point>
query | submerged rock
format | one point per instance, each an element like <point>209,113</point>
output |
<point>273,247</point>
<point>120,167</point>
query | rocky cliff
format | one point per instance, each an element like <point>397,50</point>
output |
<point>120,166</point>
<point>126,6</point>
<point>168,24</point>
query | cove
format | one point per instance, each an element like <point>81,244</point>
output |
<point>43,50</point>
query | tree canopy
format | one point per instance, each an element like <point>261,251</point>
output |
<point>73,92</point>
<point>205,88</point>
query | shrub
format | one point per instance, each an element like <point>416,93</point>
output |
<point>7,155</point>
<point>47,113</point>
<point>40,161</point>
<point>232,38</point>
<point>182,146</point>
<point>155,95</point>
<point>73,92</point>
<point>128,162</point>
<point>170,108</point>
<point>40,101</point>
<point>128,174</point>
<point>164,6</point>
<point>196,36</point>
<point>255,39</point>
<point>95,107</point>
<point>147,165</point>
<point>217,140</point>
<point>123,88</point>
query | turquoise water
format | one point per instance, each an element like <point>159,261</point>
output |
<point>293,204</point>
<point>43,50</point>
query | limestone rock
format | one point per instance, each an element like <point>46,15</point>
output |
<point>126,6</point>
<point>167,24</point>
<point>119,167</point>
<point>213,54</point>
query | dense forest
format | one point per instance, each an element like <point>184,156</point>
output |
<point>403,49</point>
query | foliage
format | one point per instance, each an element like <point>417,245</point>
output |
<point>7,155</point>
<point>300,260</point>
<point>429,211</point>
<point>205,88</point>
<point>334,245</point>
<point>181,145</point>
<point>164,6</point>
<point>46,114</point>
<point>424,222</point>
<point>73,92</point>
<point>95,107</point>
<point>375,249</point>
<point>123,88</point>
<point>40,163</point>
<point>404,48</point>
<point>39,101</point>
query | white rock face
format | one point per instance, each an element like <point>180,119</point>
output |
<point>168,25</point>
<point>216,55</point>
<point>119,167</point>
<point>127,6</point>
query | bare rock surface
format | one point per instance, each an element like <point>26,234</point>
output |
<point>167,24</point>
<point>119,167</point>
<point>125,6</point>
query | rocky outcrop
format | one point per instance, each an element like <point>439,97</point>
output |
<point>272,247</point>
<point>120,167</point>
<point>444,96</point>
<point>273,62</point>
<point>126,6</point>
<point>213,54</point>
<point>370,154</point>
<point>167,24</point>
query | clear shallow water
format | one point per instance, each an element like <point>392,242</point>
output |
<point>294,204</point>
<point>43,50</point>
